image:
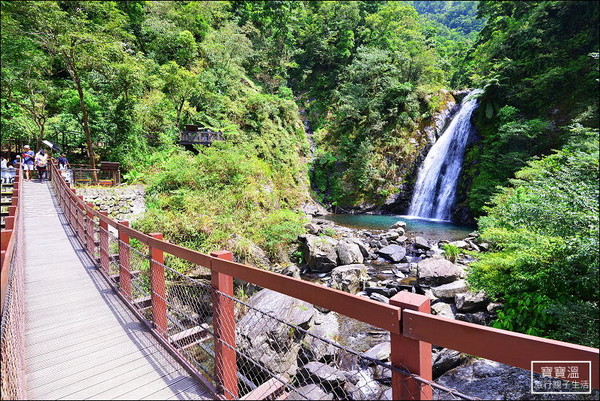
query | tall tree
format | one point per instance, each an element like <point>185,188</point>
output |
<point>80,35</point>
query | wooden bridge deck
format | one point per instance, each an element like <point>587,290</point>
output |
<point>81,342</point>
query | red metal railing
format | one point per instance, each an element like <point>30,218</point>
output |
<point>11,298</point>
<point>412,329</point>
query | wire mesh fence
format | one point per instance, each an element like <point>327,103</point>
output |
<point>12,329</point>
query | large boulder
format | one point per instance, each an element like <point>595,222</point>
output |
<point>489,380</point>
<point>348,253</point>
<point>380,352</point>
<point>443,309</point>
<point>266,341</point>
<point>469,302</point>
<point>437,271</point>
<point>446,359</point>
<point>319,252</point>
<point>449,290</point>
<point>361,245</point>
<point>395,253</point>
<point>327,326</point>
<point>349,278</point>
<point>421,243</point>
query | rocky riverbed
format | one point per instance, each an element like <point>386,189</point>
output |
<point>377,265</point>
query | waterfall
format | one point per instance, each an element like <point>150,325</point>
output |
<point>435,190</point>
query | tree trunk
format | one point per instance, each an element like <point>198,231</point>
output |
<point>85,117</point>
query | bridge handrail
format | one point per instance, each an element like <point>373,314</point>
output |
<point>12,352</point>
<point>407,317</point>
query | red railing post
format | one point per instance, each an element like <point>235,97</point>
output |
<point>15,195</point>
<point>90,231</point>
<point>157,285</point>
<point>80,220</point>
<point>104,256</point>
<point>413,355</point>
<point>124,262</point>
<point>224,328</point>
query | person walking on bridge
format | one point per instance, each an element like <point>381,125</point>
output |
<point>28,159</point>
<point>41,161</point>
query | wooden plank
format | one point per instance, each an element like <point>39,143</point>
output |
<point>269,389</point>
<point>189,336</point>
<point>77,331</point>
<point>502,346</point>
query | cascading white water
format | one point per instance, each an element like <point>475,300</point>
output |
<point>435,190</point>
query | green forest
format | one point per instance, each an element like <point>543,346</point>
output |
<point>327,100</point>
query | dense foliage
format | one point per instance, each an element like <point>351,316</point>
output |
<point>544,228</point>
<point>538,63</point>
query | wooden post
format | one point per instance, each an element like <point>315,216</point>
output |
<point>90,230</point>
<point>124,262</point>
<point>157,285</point>
<point>9,222</point>
<point>224,328</point>
<point>104,256</point>
<point>411,354</point>
<point>15,196</point>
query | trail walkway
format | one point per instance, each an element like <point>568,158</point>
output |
<point>81,342</point>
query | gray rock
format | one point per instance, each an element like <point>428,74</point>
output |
<point>386,292</point>
<point>348,253</point>
<point>403,267</point>
<point>361,245</point>
<point>327,326</point>
<point>395,253</point>
<point>469,302</point>
<point>437,271</point>
<point>449,290</point>
<point>472,245</point>
<point>379,298</point>
<point>319,373</point>
<point>380,352</point>
<point>484,246</point>
<point>494,307</point>
<point>309,392</point>
<point>422,243</point>
<point>390,235</point>
<point>489,380</point>
<point>398,224</point>
<point>446,359</point>
<point>460,244</point>
<point>349,278</point>
<point>362,386</point>
<point>312,228</point>
<point>271,343</point>
<point>443,309</point>
<point>401,239</point>
<point>291,271</point>
<point>477,317</point>
<point>319,252</point>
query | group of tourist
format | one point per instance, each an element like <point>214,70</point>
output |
<point>30,160</point>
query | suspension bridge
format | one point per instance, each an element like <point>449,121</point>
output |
<point>93,309</point>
